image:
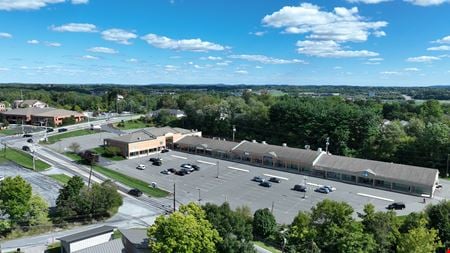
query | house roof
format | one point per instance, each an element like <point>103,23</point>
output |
<point>207,143</point>
<point>41,112</point>
<point>138,237</point>
<point>87,234</point>
<point>114,246</point>
<point>278,152</point>
<point>140,135</point>
<point>420,175</point>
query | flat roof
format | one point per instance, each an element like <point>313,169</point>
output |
<point>207,143</point>
<point>278,152</point>
<point>401,172</point>
<point>149,133</point>
<point>138,237</point>
<point>87,234</point>
<point>113,246</point>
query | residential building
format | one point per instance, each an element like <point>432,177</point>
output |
<point>387,176</point>
<point>172,112</point>
<point>41,116</point>
<point>3,106</point>
<point>29,103</point>
<point>148,140</point>
<point>86,239</point>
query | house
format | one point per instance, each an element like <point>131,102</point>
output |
<point>406,179</point>
<point>41,116</point>
<point>29,103</point>
<point>148,140</point>
<point>86,239</point>
<point>172,112</point>
<point>3,106</point>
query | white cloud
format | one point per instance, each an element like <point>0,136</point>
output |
<point>5,36</point>
<point>170,68</point>
<point>264,59</point>
<point>118,35</point>
<point>375,59</point>
<point>258,67</point>
<point>390,73</point>
<point>89,57</point>
<point>445,40</point>
<point>80,1</point>
<point>241,72</point>
<point>212,58</point>
<point>197,66</point>
<point>330,49</point>
<point>132,60</point>
<point>224,63</point>
<point>53,44</point>
<point>104,50</point>
<point>259,33</point>
<point>411,69</point>
<point>75,27</point>
<point>194,45</point>
<point>368,1</point>
<point>3,69</point>
<point>427,2</point>
<point>423,58</point>
<point>337,67</point>
<point>341,24</point>
<point>439,48</point>
<point>33,42</point>
<point>10,5</point>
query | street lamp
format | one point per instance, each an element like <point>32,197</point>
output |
<point>305,178</point>
<point>234,131</point>
<point>199,198</point>
<point>217,169</point>
<point>327,144</point>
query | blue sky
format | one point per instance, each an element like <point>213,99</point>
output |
<point>324,42</point>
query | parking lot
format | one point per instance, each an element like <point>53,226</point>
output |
<point>235,186</point>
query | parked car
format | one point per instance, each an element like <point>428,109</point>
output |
<point>165,151</point>
<point>180,172</point>
<point>166,172</point>
<point>265,184</point>
<point>49,130</point>
<point>274,180</point>
<point>26,148</point>
<point>27,136</point>
<point>157,163</point>
<point>396,206</point>
<point>300,188</point>
<point>172,170</point>
<point>186,166</point>
<point>62,130</point>
<point>258,179</point>
<point>30,140</point>
<point>140,167</point>
<point>195,167</point>
<point>135,192</point>
<point>438,186</point>
<point>154,159</point>
<point>186,171</point>
<point>322,190</point>
<point>330,188</point>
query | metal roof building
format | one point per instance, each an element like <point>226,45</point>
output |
<point>86,239</point>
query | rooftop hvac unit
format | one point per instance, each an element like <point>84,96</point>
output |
<point>284,145</point>
<point>254,141</point>
<point>264,142</point>
<point>319,150</point>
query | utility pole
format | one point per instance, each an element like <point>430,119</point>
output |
<point>234,131</point>
<point>90,171</point>
<point>34,161</point>
<point>327,144</point>
<point>304,193</point>
<point>174,207</point>
<point>217,169</point>
<point>273,204</point>
<point>448,162</point>
<point>199,198</point>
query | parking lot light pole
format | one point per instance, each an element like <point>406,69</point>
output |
<point>306,188</point>
<point>199,198</point>
<point>217,169</point>
<point>234,131</point>
<point>174,207</point>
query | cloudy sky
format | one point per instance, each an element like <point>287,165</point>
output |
<point>342,42</point>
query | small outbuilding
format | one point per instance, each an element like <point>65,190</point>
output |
<point>86,239</point>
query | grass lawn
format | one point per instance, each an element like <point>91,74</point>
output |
<point>101,151</point>
<point>61,178</point>
<point>124,179</point>
<point>54,248</point>
<point>267,247</point>
<point>132,124</point>
<point>8,132</point>
<point>55,138</point>
<point>23,159</point>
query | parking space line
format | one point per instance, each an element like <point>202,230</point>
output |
<point>313,184</point>
<point>269,175</point>
<point>375,197</point>
<point>200,161</point>
<point>181,157</point>
<point>234,168</point>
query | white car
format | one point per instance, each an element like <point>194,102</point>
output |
<point>140,167</point>
<point>330,188</point>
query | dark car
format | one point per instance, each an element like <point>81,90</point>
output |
<point>30,141</point>
<point>26,148</point>
<point>196,167</point>
<point>154,159</point>
<point>322,190</point>
<point>27,136</point>
<point>300,188</point>
<point>172,170</point>
<point>49,130</point>
<point>157,163</point>
<point>135,192</point>
<point>61,130</point>
<point>265,184</point>
<point>164,151</point>
<point>274,180</point>
<point>396,206</point>
<point>180,172</point>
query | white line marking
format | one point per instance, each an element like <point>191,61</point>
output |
<point>200,161</point>
<point>375,197</point>
<point>234,168</point>
<point>181,157</point>
<point>283,178</point>
<point>313,184</point>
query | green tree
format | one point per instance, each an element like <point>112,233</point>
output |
<point>419,240</point>
<point>301,235</point>
<point>75,147</point>
<point>412,220</point>
<point>104,199</point>
<point>15,195</point>
<point>264,224</point>
<point>38,214</point>
<point>439,219</point>
<point>69,198</point>
<point>186,230</point>
<point>431,110</point>
<point>111,151</point>
<point>383,226</point>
